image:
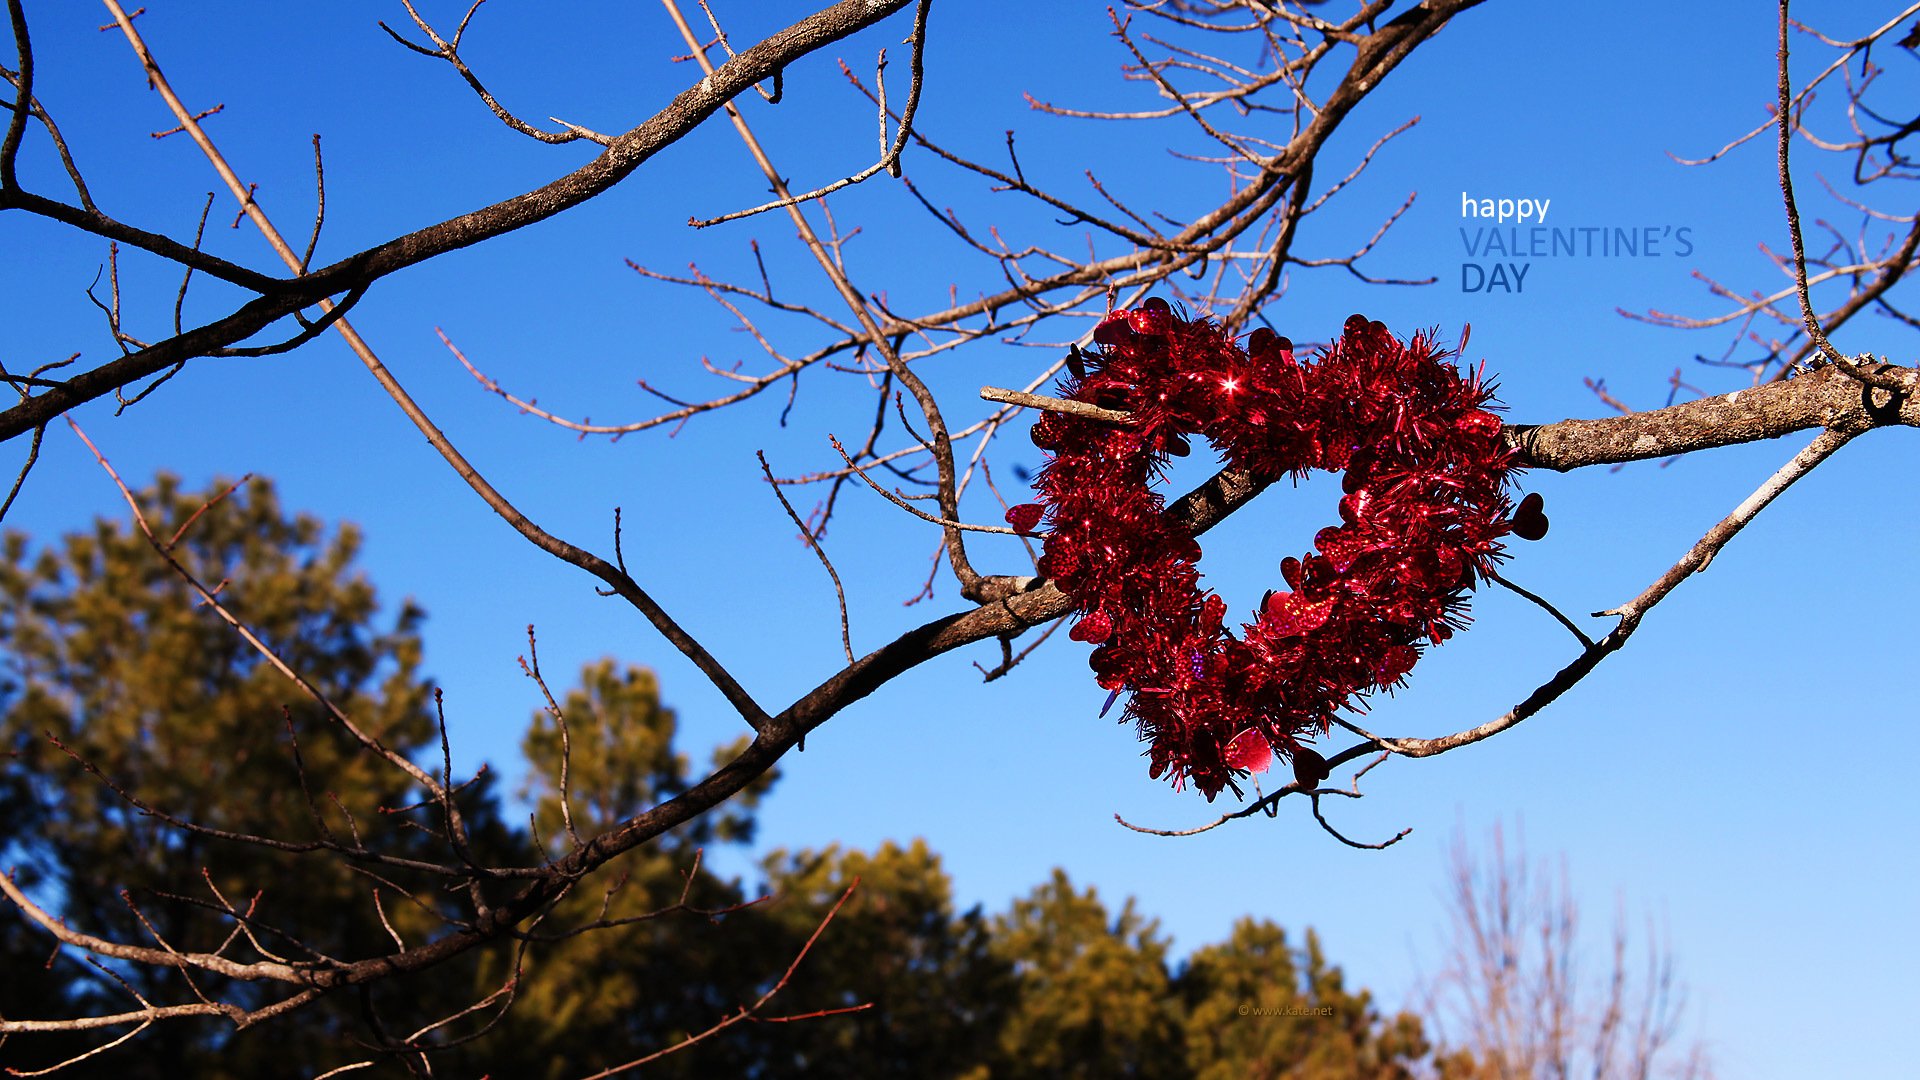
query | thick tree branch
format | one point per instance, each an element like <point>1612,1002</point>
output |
<point>1826,398</point>
<point>36,411</point>
<point>99,224</point>
<point>626,153</point>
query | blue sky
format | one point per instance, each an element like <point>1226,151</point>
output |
<point>1727,773</point>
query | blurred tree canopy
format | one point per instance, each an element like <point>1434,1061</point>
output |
<point>109,663</point>
<point>198,733</point>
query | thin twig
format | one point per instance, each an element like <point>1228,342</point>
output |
<point>531,667</point>
<point>1542,602</point>
<point>839,591</point>
<point>890,155</point>
<point>1815,332</point>
<point>750,1012</point>
<point>1054,404</point>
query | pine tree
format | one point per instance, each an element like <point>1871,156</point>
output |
<point>933,988</point>
<point>111,673</point>
<point>1259,1008</point>
<point>1095,998</point>
<point>649,949</point>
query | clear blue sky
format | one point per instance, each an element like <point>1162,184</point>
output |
<point>1734,772</point>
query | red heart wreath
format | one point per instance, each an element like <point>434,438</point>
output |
<point>1425,507</point>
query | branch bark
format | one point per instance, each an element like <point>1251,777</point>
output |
<point>1827,398</point>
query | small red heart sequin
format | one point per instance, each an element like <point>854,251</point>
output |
<point>1290,614</point>
<point>1481,422</point>
<point>1093,628</point>
<point>1529,523</point>
<point>1309,768</point>
<point>1249,751</point>
<point>1151,320</point>
<point>1113,330</point>
<point>1394,664</point>
<point>1025,517</point>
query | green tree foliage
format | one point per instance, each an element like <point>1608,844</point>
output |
<point>616,742</point>
<point>933,986</point>
<point>1257,1008</point>
<point>650,949</point>
<point>107,652</point>
<point>1098,998</point>
<point>1095,995</point>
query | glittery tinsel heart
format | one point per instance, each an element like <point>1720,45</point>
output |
<point>1423,510</point>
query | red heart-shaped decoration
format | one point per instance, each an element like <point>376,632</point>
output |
<point>1025,517</point>
<point>1309,768</point>
<point>1423,509</point>
<point>1528,521</point>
